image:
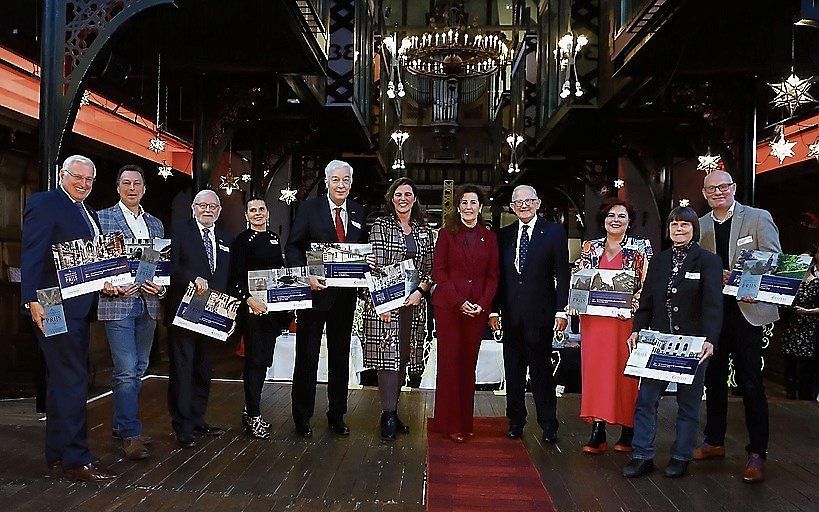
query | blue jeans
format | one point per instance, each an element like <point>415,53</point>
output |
<point>689,399</point>
<point>130,340</point>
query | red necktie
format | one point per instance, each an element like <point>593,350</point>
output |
<point>339,225</point>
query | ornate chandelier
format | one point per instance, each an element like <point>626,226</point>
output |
<point>453,53</point>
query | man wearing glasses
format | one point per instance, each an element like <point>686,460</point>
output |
<point>200,254</point>
<point>51,217</point>
<point>331,218</point>
<point>532,295</point>
<point>726,230</point>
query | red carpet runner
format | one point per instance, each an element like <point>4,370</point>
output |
<point>488,472</point>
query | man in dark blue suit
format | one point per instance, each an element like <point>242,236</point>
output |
<point>51,217</point>
<point>531,298</point>
<point>330,218</point>
<point>200,254</point>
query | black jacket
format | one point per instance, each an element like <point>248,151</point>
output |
<point>542,288</point>
<point>696,296</point>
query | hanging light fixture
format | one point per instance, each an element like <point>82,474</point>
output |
<point>514,140</point>
<point>230,183</point>
<point>568,48</point>
<point>399,137</point>
<point>157,143</point>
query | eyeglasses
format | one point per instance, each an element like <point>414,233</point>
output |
<point>336,182</point>
<point>208,206</point>
<point>722,187</point>
<point>88,181</point>
<point>523,202</point>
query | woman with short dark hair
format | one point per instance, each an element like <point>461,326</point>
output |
<point>394,339</point>
<point>608,396</point>
<point>465,270</point>
<point>682,295</point>
<point>802,335</point>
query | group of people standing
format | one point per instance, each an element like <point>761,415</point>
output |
<point>472,277</point>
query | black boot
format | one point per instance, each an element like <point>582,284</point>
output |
<point>597,440</point>
<point>790,388</point>
<point>624,443</point>
<point>401,427</point>
<point>388,425</point>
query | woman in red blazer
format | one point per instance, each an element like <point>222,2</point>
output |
<point>465,270</point>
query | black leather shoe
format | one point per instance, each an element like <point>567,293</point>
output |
<point>303,429</point>
<point>638,467</point>
<point>89,473</point>
<point>389,425</point>
<point>676,468</point>
<point>208,430</point>
<point>339,427</point>
<point>400,426</point>
<point>549,437</point>
<point>515,432</point>
<point>186,441</point>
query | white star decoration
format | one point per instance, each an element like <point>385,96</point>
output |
<point>86,99</point>
<point>813,149</point>
<point>288,196</point>
<point>781,148</point>
<point>229,183</point>
<point>157,144</point>
<point>708,163</point>
<point>245,177</point>
<point>165,170</point>
<point>792,93</point>
<point>618,183</point>
<point>684,203</point>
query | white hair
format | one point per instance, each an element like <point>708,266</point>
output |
<point>335,164</point>
<point>78,159</point>
<point>202,193</point>
<point>525,187</point>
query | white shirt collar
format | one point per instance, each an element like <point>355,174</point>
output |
<point>127,211</point>
<point>531,224</point>
<point>69,195</point>
<point>201,227</point>
<point>730,214</point>
<point>333,205</point>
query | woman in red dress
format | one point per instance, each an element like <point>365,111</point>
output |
<point>465,270</point>
<point>608,395</point>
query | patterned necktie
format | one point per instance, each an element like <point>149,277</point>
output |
<point>208,248</point>
<point>84,216</point>
<point>524,247</point>
<point>339,225</point>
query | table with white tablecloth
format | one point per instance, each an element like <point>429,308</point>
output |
<point>489,369</point>
<point>284,359</point>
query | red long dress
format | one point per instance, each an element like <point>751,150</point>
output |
<point>608,395</point>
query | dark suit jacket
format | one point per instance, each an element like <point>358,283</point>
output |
<point>461,273</point>
<point>542,288</point>
<point>51,217</point>
<point>696,296</point>
<point>189,261</point>
<point>313,223</point>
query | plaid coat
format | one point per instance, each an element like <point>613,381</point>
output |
<point>636,254</point>
<point>381,348</point>
<point>117,308</point>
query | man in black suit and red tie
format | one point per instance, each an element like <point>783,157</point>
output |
<point>60,215</point>
<point>531,298</point>
<point>330,218</point>
<point>200,254</point>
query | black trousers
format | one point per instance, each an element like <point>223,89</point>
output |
<point>339,321</point>
<point>66,357</point>
<point>529,346</point>
<point>260,334</point>
<point>189,383</point>
<point>745,342</point>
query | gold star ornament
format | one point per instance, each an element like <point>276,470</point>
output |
<point>229,183</point>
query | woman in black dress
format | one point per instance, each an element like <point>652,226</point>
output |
<point>801,335</point>
<point>256,249</point>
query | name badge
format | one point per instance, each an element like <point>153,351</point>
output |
<point>692,275</point>
<point>222,247</point>
<point>745,240</point>
<point>356,224</point>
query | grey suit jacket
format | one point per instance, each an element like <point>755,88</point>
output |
<point>756,230</point>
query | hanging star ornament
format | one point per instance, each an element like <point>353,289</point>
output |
<point>684,203</point>
<point>288,196</point>
<point>165,170</point>
<point>792,93</point>
<point>229,183</point>
<point>85,99</point>
<point>157,144</point>
<point>245,177</point>
<point>781,148</point>
<point>813,149</point>
<point>619,183</point>
<point>709,163</point>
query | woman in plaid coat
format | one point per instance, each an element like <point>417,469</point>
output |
<point>395,339</point>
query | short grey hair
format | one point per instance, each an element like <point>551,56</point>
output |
<point>525,187</point>
<point>78,159</point>
<point>202,193</point>
<point>335,164</point>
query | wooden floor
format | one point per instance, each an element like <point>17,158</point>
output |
<point>362,473</point>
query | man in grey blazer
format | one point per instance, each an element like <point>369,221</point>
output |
<point>130,313</point>
<point>726,230</point>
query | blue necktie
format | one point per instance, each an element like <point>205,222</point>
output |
<point>84,216</point>
<point>208,248</point>
<point>524,247</point>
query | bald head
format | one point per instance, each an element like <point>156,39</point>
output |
<point>206,207</point>
<point>719,188</point>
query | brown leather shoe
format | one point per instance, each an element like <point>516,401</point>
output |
<point>705,452</point>
<point>754,468</point>
<point>134,449</point>
<point>88,473</point>
<point>145,439</point>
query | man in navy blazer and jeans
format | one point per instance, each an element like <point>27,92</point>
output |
<point>532,296</point>
<point>200,254</point>
<point>51,217</point>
